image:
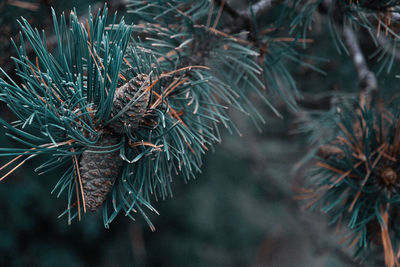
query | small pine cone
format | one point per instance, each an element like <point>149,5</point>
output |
<point>99,171</point>
<point>132,117</point>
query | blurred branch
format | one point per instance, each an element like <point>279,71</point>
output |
<point>260,8</point>
<point>228,9</point>
<point>367,79</point>
<point>368,82</point>
<point>242,20</point>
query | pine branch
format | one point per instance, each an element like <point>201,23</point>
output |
<point>243,19</point>
<point>260,8</point>
<point>228,9</point>
<point>367,78</point>
<point>368,82</point>
<point>181,108</point>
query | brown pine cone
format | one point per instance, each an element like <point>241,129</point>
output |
<point>135,91</point>
<point>99,171</point>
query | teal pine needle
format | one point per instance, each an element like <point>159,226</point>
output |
<point>121,116</point>
<point>357,181</point>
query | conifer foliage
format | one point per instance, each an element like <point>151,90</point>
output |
<point>124,116</point>
<point>124,109</point>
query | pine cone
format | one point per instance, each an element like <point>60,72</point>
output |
<point>99,171</point>
<point>131,91</point>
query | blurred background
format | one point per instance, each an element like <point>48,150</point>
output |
<point>241,211</point>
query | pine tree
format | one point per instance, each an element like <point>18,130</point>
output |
<point>125,108</point>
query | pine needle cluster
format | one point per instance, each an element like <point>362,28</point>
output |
<point>125,108</point>
<point>357,182</point>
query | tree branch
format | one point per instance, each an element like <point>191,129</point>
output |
<point>228,9</point>
<point>260,8</point>
<point>368,82</point>
<point>243,19</point>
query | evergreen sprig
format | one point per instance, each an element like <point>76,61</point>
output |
<point>375,17</point>
<point>192,32</point>
<point>356,180</point>
<point>64,97</point>
<point>124,116</point>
